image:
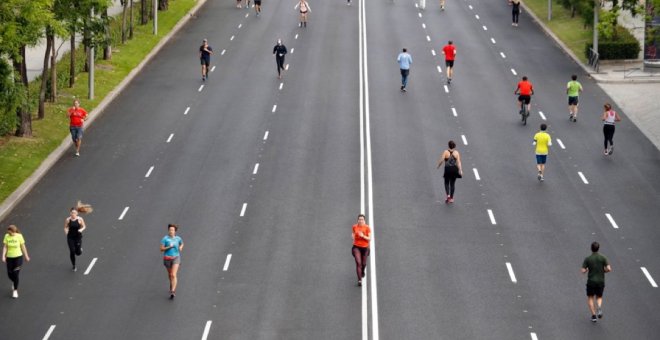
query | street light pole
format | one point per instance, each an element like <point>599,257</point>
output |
<point>90,79</point>
<point>155,17</point>
<point>596,10</point>
<point>549,10</point>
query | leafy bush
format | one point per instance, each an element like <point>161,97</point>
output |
<point>11,97</point>
<point>622,45</point>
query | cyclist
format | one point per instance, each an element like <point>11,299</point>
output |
<point>525,90</point>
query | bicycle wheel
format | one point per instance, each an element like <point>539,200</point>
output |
<point>525,115</point>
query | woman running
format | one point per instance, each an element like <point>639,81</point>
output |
<point>74,225</point>
<point>13,250</point>
<point>304,8</point>
<point>515,12</point>
<point>609,118</point>
<point>361,237</point>
<point>171,245</point>
<point>453,169</point>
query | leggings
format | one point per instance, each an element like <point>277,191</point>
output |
<point>280,64</point>
<point>75,248</point>
<point>450,185</point>
<point>14,268</point>
<point>515,15</point>
<point>608,132</point>
<point>360,254</point>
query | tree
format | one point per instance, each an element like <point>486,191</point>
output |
<point>12,96</point>
<point>163,5</point>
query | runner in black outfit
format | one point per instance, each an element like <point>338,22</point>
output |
<point>205,52</point>
<point>74,225</point>
<point>279,51</point>
<point>515,12</point>
<point>453,169</point>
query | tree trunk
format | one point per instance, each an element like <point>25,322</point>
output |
<point>107,48</point>
<point>124,12</point>
<point>72,66</point>
<point>53,70</point>
<point>130,22</point>
<point>44,76</point>
<point>163,5</point>
<point>143,11</point>
<point>24,128</point>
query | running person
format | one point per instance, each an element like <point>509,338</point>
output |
<point>449,51</point>
<point>595,266</point>
<point>205,52</point>
<point>361,237</point>
<point>610,117</point>
<point>304,8</point>
<point>525,90</point>
<point>405,60</point>
<point>543,141</point>
<point>13,250</point>
<point>453,169</point>
<point>171,245</point>
<point>257,6</point>
<point>280,52</point>
<point>77,115</point>
<point>573,89</point>
<point>515,12</point>
<point>442,5</point>
<point>74,225</point>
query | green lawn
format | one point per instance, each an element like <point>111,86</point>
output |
<point>20,157</point>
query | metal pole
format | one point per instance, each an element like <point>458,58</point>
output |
<point>90,79</point>
<point>596,10</point>
<point>549,10</point>
<point>155,17</point>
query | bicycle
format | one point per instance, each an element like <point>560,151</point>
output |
<point>524,112</point>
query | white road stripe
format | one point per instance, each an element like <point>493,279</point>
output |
<point>169,139</point>
<point>123,213</point>
<point>446,89</point>
<point>292,49</point>
<point>514,72</point>
<point>49,332</point>
<point>201,87</point>
<point>584,179</point>
<point>464,140</point>
<point>296,37</point>
<point>420,14</point>
<point>542,115</point>
<point>502,54</point>
<point>232,38</point>
<point>470,6</point>
<point>439,69</point>
<point>612,222</point>
<point>476,16</point>
<point>492,217</point>
<point>648,277</point>
<point>223,52</point>
<point>492,40</point>
<point>256,168</point>
<point>240,25</point>
<point>149,172</point>
<point>416,5</point>
<point>428,38</point>
<point>485,28</point>
<point>365,312</point>
<point>274,108</point>
<point>207,329</point>
<point>91,264</point>
<point>433,52</point>
<point>243,209</point>
<point>476,174</point>
<point>424,25</point>
<point>533,335</point>
<point>246,14</point>
<point>226,266</point>
<point>187,109</point>
<point>281,85</point>
<point>266,135</point>
<point>511,274</point>
<point>561,145</point>
<point>286,67</point>
<point>453,110</point>
<point>213,68</point>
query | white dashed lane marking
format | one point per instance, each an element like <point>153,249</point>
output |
<point>612,222</point>
<point>123,213</point>
<point>169,139</point>
<point>49,332</point>
<point>286,67</point>
<point>423,25</point>
<point>502,54</point>
<point>464,140</point>
<point>296,37</point>
<point>188,108</point>
<point>428,38</point>
<point>243,209</point>
<point>542,115</point>
<point>266,135</point>
<point>232,38</point>
<point>281,85</point>
<point>433,52</point>
<point>207,329</point>
<point>213,68</point>
<point>91,265</point>
<point>439,69</point>
<point>200,88</point>
<point>512,275</point>
<point>420,14</point>
<point>256,168</point>
<point>476,174</point>
<point>492,217</point>
<point>470,6</point>
<point>240,25</point>
<point>226,266</point>
<point>223,52</point>
<point>648,277</point>
<point>533,335</point>
<point>561,145</point>
<point>584,179</point>
<point>514,72</point>
<point>149,172</point>
<point>476,16</point>
<point>492,40</point>
<point>485,28</point>
<point>453,111</point>
<point>446,89</point>
<point>292,49</point>
<point>274,108</point>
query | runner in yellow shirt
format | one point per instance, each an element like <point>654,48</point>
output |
<point>542,140</point>
<point>13,250</point>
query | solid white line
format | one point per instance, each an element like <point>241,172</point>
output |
<point>424,25</point>
<point>511,274</point>
<point>281,85</point>
<point>223,52</point>
<point>514,72</point>
<point>612,222</point>
<point>201,87</point>
<point>433,52</point>
<point>446,89</point>
<point>256,168</point>
<point>453,110</point>
<point>123,213</point>
<point>243,209</point>
<point>232,38</point>
<point>292,49</point>
<point>492,217</point>
<point>207,328</point>
<point>439,69</point>
<point>226,266</point>
<point>584,179</point>
<point>476,174</point>
<point>274,108</point>
<point>240,25</point>
<point>542,115</point>
<point>213,68</point>
<point>493,40</point>
<point>428,38</point>
<point>648,277</point>
<point>533,335</point>
<point>169,139</point>
<point>464,140</point>
<point>286,67</point>
<point>265,135</point>
<point>485,28</point>
<point>476,16</point>
<point>296,37</point>
<point>187,109</point>
<point>149,172</point>
<point>89,268</point>
<point>49,332</point>
<point>561,145</point>
<point>502,54</point>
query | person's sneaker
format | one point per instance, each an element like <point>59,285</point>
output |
<point>14,294</point>
<point>606,152</point>
<point>600,313</point>
<point>447,199</point>
<point>451,200</point>
<point>611,150</point>
<point>74,269</point>
<point>172,295</point>
<point>359,283</point>
<point>404,90</point>
<point>593,318</point>
<point>574,119</point>
<point>77,154</point>
<point>539,176</point>
<point>364,273</point>
<point>542,178</point>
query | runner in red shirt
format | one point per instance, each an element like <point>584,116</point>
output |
<point>77,116</point>
<point>525,90</point>
<point>361,237</point>
<point>450,54</point>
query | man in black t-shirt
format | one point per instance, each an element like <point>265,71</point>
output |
<point>280,52</point>
<point>595,265</point>
<point>205,52</point>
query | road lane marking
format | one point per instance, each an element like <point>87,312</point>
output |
<point>533,335</point>
<point>232,38</point>
<point>464,140</point>
<point>514,72</point>
<point>446,89</point>
<point>213,68</point>
<point>492,217</point>
<point>265,135</point>
<point>416,5</point>
<point>49,332</point>
<point>561,145</point>
<point>240,25</point>
<point>433,52</point>
<point>542,115</point>
<point>612,222</point>
<point>648,277</point>
<point>187,110</point>
<point>226,266</point>
<point>247,14</point>
<point>169,139</point>
<point>361,66</point>
<point>201,87</point>
<point>453,111</point>
<point>123,213</point>
<point>476,174</point>
<point>584,179</point>
<point>281,85</point>
<point>256,168</point>
<point>286,67</point>
<point>274,108</point>
<point>470,6</point>
<point>503,56</point>
<point>439,69</point>
<point>223,52</point>
<point>89,268</point>
<point>485,28</point>
<point>424,25</point>
<point>428,38</point>
<point>207,329</point>
<point>493,40</point>
<point>512,275</point>
<point>420,14</point>
<point>149,172</point>
<point>243,209</point>
<point>296,37</point>
<point>476,16</point>
<point>292,49</point>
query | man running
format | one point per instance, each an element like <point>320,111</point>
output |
<point>405,60</point>
<point>361,237</point>
<point>280,52</point>
<point>257,6</point>
<point>573,89</point>
<point>595,266</point>
<point>205,52</point>
<point>171,246</point>
<point>77,115</point>
<point>542,140</point>
<point>450,54</point>
<point>525,90</point>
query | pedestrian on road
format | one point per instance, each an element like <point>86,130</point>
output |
<point>405,60</point>
<point>304,8</point>
<point>595,266</point>
<point>453,169</point>
<point>609,118</point>
<point>449,51</point>
<point>77,115</point>
<point>13,250</point>
<point>257,6</point>
<point>573,89</point>
<point>442,5</point>
<point>361,237</point>
<point>205,53</point>
<point>515,12</point>
<point>280,52</point>
<point>171,245</point>
<point>74,225</point>
<point>543,141</point>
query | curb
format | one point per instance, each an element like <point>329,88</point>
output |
<point>12,200</point>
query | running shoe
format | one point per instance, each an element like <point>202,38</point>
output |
<point>14,294</point>
<point>611,150</point>
<point>359,283</point>
<point>600,313</point>
<point>77,154</point>
<point>593,319</point>
<point>542,179</point>
<point>451,200</point>
<point>74,269</point>
<point>172,295</point>
<point>539,176</point>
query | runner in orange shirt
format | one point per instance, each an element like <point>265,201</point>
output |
<point>361,237</point>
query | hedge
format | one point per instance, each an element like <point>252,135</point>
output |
<point>624,46</point>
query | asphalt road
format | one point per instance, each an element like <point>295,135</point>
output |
<point>274,172</point>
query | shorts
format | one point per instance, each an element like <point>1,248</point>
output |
<point>205,61</point>
<point>572,100</point>
<point>363,251</point>
<point>525,98</point>
<point>449,63</point>
<point>76,132</point>
<point>301,12</point>
<point>257,2</point>
<point>169,263</point>
<point>540,159</point>
<point>592,290</point>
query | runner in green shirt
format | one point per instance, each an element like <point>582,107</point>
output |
<point>573,89</point>
<point>595,266</point>
<point>13,250</point>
